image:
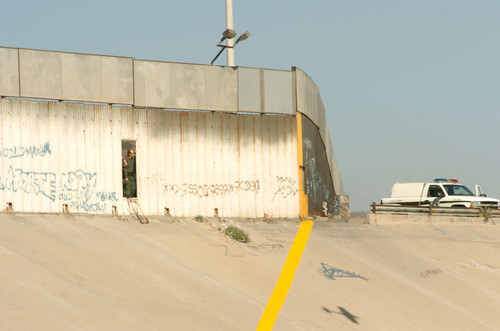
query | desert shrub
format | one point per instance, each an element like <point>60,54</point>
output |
<point>486,213</point>
<point>199,218</point>
<point>237,234</point>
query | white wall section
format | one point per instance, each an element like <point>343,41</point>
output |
<point>55,153</point>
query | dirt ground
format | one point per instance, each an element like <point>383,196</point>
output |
<point>102,273</point>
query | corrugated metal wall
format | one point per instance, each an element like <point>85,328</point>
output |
<point>310,104</point>
<point>318,181</point>
<point>55,153</point>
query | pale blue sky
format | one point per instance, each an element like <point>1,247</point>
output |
<point>411,88</point>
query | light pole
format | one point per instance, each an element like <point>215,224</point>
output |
<point>229,25</point>
<point>228,35</point>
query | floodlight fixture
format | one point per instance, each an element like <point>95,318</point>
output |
<point>242,37</point>
<point>229,34</point>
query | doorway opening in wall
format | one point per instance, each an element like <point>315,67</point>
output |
<point>129,169</point>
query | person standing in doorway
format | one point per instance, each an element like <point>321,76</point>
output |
<point>129,186</point>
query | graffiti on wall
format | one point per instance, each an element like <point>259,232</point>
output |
<point>207,190</point>
<point>78,185</point>
<point>79,189</point>
<point>286,187</point>
<point>76,188</point>
<point>25,151</point>
<point>30,182</point>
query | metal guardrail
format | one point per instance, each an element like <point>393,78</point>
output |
<point>430,210</point>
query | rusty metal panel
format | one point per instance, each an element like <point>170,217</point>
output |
<point>309,103</point>
<point>318,181</point>
<point>334,168</point>
<point>216,162</point>
<point>25,156</point>
<point>55,154</point>
<point>185,86</point>
<point>9,72</point>
<point>59,153</point>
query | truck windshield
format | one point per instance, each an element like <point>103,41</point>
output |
<point>457,190</point>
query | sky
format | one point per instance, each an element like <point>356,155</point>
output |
<point>411,87</point>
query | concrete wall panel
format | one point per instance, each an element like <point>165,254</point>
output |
<point>97,78</point>
<point>117,77</point>
<point>308,98</point>
<point>278,92</point>
<point>249,90</point>
<point>79,77</point>
<point>40,74</point>
<point>9,72</point>
<point>266,91</point>
<point>185,86</point>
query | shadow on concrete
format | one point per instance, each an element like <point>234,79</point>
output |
<point>343,311</point>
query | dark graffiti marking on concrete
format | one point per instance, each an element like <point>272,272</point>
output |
<point>332,273</point>
<point>204,190</point>
<point>29,182</point>
<point>26,151</point>
<point>286,187</point>
<point>80,185</point>
<point>104,196</point>
<point>77,188</point>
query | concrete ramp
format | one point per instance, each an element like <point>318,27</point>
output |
<point>104,273</point>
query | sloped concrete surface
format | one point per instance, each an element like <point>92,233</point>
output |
<point>102,273</point>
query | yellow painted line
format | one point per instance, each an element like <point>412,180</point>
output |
<point>286,277</point>
<point>300,153</point>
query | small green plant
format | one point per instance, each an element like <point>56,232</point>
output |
<point>237,234</point>
<point>199,218</point>
<point>486,212</point>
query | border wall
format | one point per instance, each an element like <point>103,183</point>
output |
<point>209,138</point>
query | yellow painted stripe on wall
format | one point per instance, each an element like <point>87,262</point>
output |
<point>286,277</point>
<point>303,204</point>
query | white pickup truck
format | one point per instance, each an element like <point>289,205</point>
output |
<point>440,193</point>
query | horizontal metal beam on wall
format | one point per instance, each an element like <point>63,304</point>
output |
<point>429,210</point>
